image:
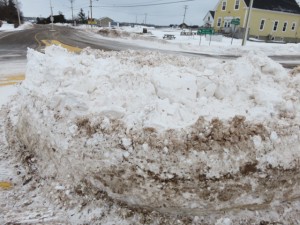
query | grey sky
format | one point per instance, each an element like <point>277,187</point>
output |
<point>159,14</point>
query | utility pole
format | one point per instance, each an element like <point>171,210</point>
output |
<point>91,8</point>
<point>247,23</point>
<point>51,18</point>
<point>185,8</point>
<point>18,11</point>
<point>72,8</point>
<point>145,18</point>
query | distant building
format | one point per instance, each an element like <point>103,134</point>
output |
<point>30,19</point>
<point>209,19</point>
<point>270,19</point>
<point>183,26</point>
<point>105,22</point>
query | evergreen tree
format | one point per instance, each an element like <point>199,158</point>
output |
<point>81,16</point>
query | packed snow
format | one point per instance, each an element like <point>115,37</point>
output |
<point>156,90</point>
<point>214,141</point>
<point>142,137</point>
<point>6,93</point>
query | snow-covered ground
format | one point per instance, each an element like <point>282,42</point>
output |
<point>154,39</point>
<point>10,27</point>
<point>204,45</point>
<point>151,138</point>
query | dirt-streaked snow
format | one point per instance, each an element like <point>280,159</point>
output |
<point>105,138</point>
<point>213,141</point>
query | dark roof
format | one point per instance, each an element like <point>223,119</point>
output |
<point>289,6</point>
<point>212,13</point>
<point>183,25</point>
<point>103,18</point>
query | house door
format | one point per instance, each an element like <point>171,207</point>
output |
<point>227,27</point>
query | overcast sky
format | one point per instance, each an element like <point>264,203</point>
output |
<point>163,14</point>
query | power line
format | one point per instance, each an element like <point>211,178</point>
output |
<point>83,6</point>
<point>140,14</point>
<point>142,5</point>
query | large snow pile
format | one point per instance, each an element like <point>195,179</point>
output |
<point>149,89</point>
<point>26,25</point>
<point>170,133</point>
<point>6,26</point>
<point>10,27</point>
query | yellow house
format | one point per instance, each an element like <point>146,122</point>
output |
<point>271,20</point>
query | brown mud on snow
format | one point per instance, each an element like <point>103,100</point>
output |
<point>235,170</point>
<point>209,168</point>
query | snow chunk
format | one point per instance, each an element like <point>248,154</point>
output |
<point>157,90</point>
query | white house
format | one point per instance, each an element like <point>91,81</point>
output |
<point>105,22</point>
<point>209,19</point>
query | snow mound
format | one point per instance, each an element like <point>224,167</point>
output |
<point>5,26</point>
<point>156,90</point>
<point>168,133</point>
<point>10,27</point>
<point>129,35</point>
<point>26,25</point>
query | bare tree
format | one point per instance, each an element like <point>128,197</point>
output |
<point>9,12</point>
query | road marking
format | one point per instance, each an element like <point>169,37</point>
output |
<point>5,185</point>
<point>37,40</point>
<point>11,80</point>
<point>56,42</point>
<point>5,35</point>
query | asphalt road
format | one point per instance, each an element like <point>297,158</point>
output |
<point>13,45</point>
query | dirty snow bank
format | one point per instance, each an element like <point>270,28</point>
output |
<point>168,133</point>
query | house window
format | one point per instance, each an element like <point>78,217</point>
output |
<point>284,26</point>
<point>208,18</point>
<point>293,26</point>
<point>237,4</point>
<point>219,22</point>
<point>224,3</point>
<point>275,26</point>
<point>262,24</point>
<point>226,24</point>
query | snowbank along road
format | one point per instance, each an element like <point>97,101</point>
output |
<point>141,137</point>
<point>153,138</point>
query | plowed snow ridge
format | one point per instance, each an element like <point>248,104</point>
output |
<point>170,133</point>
